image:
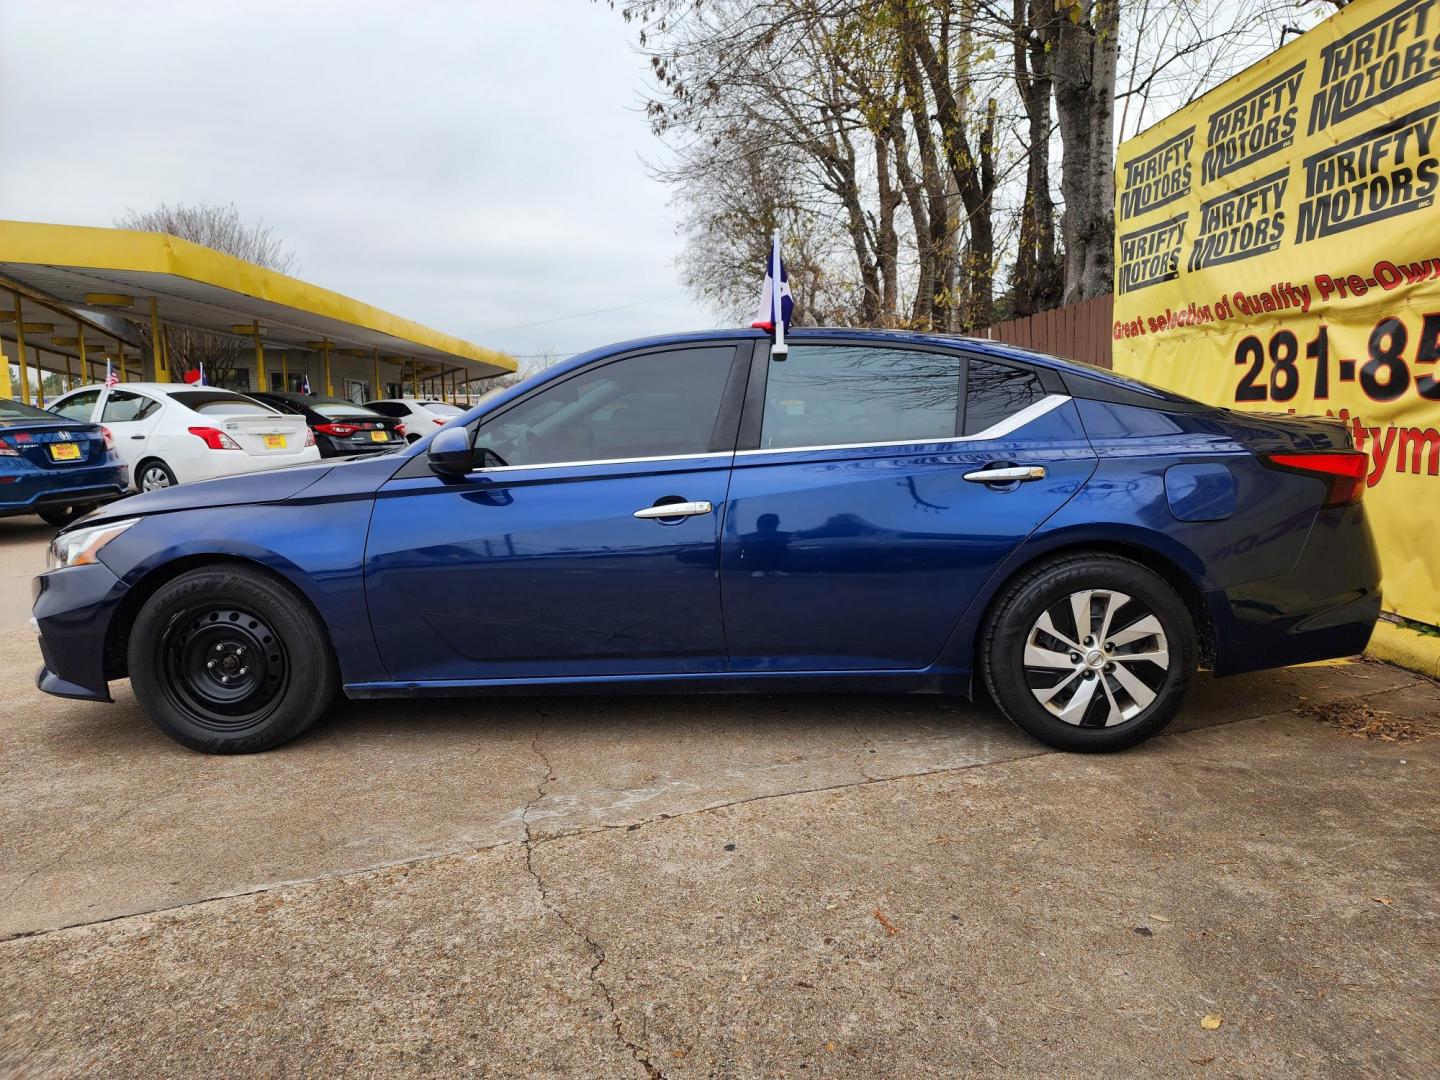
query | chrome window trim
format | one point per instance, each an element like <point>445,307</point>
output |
<point>606,461</point>
<point>1010,424</point>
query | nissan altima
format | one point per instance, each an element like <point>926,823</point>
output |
<point>879,511</point>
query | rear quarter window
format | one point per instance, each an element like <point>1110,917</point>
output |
<point>995,392</point>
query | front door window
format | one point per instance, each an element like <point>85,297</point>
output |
<point>661,404</point>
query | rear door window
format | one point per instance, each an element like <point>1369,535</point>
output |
<point>847,395</point>
<point>995,392</point>
<point>123,406</point>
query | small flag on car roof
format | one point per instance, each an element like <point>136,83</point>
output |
<point>776,303</point>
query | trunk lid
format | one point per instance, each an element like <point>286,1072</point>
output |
<point>1268,433</point>
<point>54,446</point>
<point>264,436</point>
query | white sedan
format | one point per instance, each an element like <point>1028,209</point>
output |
<point>173,433</point>
<point>420,416</point>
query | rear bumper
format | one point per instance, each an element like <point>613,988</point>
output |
<point>1325,607</point>
<point>73,608</point>
<point>331,447</point>
<point>27,494</point>
<point>220,463</point>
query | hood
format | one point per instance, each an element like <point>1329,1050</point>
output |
<point>270,486</point>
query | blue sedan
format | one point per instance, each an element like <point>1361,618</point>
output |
<point>54,467</point>
<point>877,512</point>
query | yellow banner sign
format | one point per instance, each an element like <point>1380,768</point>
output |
<point>1277,247</point>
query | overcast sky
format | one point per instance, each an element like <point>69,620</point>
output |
<point>473,166</point>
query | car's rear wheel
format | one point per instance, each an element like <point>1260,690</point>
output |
<point>228,660</point>
<point>1089,652</point>
<point>153,475</point>
<point>63,515</point>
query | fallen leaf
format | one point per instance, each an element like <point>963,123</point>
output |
<point>1158,918</point>
<point>1211,1021</point>
<point>890,928</point>
<point>1202,1061</point>
<point>1382,900</point>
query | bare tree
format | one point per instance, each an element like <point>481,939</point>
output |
<point>223,229</point>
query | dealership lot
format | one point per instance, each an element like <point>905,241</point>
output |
<point>792,886</point>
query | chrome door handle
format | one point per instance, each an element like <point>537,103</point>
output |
<point>674,510</point>
<point>1008,475</point>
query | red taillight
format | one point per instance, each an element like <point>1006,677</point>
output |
<point>109,438</point>
<point>440,423</point>
<point>399,429</point>
<point>214,438</point>
<point>1344,470</point>
<point>340,431</point>
<point>309,437</point>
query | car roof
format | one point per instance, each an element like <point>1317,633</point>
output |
<point>978,346</point>
<point>153,388</point>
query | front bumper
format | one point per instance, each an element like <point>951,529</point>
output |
<point>73,609</point>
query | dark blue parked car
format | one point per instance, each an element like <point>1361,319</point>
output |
<point>54,467</point>
<point>880,511</point>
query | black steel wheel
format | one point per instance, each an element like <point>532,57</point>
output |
<point>225,666</point>
<point>231,660</point>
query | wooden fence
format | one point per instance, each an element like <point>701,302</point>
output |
<point>1078,331</point>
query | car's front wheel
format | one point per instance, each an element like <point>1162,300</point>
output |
<point>228,660</point>
<point>1089,652</point>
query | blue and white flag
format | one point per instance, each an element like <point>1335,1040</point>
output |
<point>305,389</point>
<point>776,303</point>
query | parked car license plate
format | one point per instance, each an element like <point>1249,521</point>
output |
<point>64,451</point>
<point>379,436</point>
<point>274,442</point>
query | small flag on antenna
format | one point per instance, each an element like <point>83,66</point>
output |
<point>110,377</point>
<point>776,303</point>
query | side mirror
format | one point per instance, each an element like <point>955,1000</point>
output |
<point>449,451</point>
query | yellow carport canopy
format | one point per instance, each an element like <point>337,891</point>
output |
<point>120,271</point>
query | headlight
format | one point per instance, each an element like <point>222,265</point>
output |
<point>80,546</point>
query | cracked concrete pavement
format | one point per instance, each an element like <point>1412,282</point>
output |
<point>729,887</point>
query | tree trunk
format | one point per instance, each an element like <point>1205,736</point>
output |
<point>1082,59</point>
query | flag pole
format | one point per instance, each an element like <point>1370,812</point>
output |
<point>779,350</point>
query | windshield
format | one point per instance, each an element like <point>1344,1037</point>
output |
<point>442,408</point>
<point>13,412</point>
<point>218,402</point>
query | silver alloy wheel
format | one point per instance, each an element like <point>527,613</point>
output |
<point>1096,658</point>
<point>154,478</point>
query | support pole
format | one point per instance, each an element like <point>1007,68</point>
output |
<point>20,348</point>
<point>375,392</point>
<point>84,370</point>
<point>284,371</point>
<point>329,389</point>
<point>69,375</point>
<point>414,378</point>
<point>39,378</point>
<point>259,355</point>
<point>157,346</point>
<point>6,389</point>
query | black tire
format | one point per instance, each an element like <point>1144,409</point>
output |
<point>1021,660</point>
<point>207,622</point>
<point>157,471</point>
<point>60,516</point>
